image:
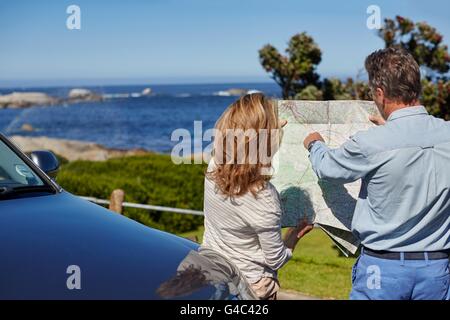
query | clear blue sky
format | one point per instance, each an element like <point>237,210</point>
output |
<point>168,41</point>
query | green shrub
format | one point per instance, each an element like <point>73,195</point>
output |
<point>150,179</point>
<point>311,92</point>
<point>436,97</point>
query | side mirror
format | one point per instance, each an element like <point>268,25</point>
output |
<point>47,161</point>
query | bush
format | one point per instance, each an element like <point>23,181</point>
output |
<point>335,89</point>
<point>436,97</point>
<point>151,179</point>
<point>309,93</point>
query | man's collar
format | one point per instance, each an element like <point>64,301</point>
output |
<point>408,111</point>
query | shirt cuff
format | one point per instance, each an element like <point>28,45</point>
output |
<point>288,254</point>
<point>316,145</point>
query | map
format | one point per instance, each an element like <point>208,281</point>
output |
<point>327,204</point>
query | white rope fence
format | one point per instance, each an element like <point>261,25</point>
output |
<point>145,206</point>
<point>116,204</point>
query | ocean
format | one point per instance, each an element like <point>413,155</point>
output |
<point>126,119</point>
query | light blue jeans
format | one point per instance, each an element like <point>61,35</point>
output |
<point>382,279</point>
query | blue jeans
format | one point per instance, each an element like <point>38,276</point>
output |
<point>382,279</point>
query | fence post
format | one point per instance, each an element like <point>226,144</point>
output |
<point>117,197</point>
<point>193,238</point>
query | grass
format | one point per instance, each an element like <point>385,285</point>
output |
<point>316,268</point>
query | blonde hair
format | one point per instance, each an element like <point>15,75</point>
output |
<point>244,168</point>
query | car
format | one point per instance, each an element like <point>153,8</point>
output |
<point>55,245</point>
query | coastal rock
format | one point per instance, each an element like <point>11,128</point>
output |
<point>72,149</point>
<point>232,92</point>
<point>80,95</point>
<point>27,127</point>
<point>237,92</point>
<point>26,99</point>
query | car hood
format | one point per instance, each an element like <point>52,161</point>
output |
<point>60,246</point>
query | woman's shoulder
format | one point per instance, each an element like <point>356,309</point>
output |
<point>270,192</point>
<point>269,200</point>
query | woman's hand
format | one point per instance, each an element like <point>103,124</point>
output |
<point>293,235</point>
<point>303,228</point>
<point>291,239</point>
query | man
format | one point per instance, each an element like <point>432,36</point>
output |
<point>402,215</point>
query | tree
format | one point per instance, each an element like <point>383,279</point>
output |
<point>296,74</point>
<point>422,40</point>
<point>436,97</point>
<point>335,89</point>
<point>296,70</point>
<point>425,44</point>
<point>310,92</point>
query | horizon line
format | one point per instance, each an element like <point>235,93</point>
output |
<point>101,82</point>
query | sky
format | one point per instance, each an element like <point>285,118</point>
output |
<point>186,41</point>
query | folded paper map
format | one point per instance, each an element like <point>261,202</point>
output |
<point>328,204</point>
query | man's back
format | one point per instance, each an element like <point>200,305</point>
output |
<point>402,214</point>
<point>404,203</point>
<point>408,194</point>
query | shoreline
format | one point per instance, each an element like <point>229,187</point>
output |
<point>73,150</point>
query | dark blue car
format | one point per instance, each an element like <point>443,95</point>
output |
<point>54,245</point>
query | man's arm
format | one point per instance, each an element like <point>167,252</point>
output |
<point>345,164</point>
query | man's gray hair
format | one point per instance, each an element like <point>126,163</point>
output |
<point>396,72</point>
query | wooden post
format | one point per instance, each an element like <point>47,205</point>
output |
<point>193,238</point>
<point>117,197</point>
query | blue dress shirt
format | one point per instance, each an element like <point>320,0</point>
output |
<point>404,202</point>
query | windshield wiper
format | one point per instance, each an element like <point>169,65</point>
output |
<point>25,189</point>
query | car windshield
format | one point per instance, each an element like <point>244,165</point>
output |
<point>14,172</point>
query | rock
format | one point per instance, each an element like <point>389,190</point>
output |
<point>26,99</point>
<point>27,127</point>
<point>147,92</point>
<point>72,149</point>
<point>80,95</point>
<point>237,92</point>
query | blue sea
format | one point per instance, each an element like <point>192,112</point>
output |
<point>126,119</point>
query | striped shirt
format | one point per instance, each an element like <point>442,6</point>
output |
<point>246,229</point>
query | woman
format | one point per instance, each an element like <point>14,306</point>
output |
<point>242,208</point>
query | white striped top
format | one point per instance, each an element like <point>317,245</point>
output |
<point>246,229</point>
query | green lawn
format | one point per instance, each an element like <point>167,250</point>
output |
<point>316,269</point>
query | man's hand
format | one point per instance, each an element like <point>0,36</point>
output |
<point>377,120</point>
<point>315,136</point>
<point>293,235</point>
